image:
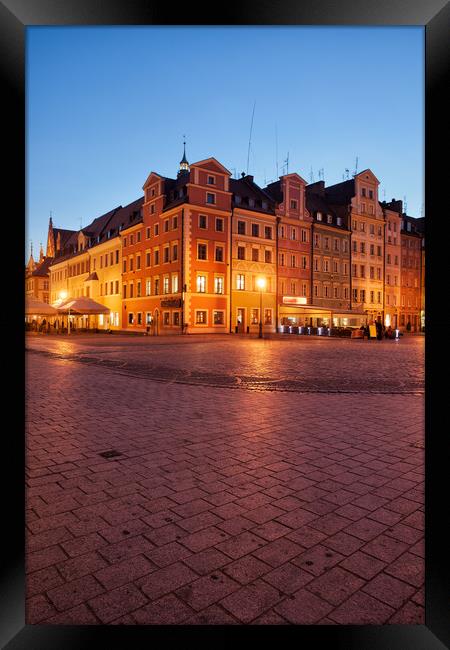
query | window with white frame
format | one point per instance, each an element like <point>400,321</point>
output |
<point>201,283</point>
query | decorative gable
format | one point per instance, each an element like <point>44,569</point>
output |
<point>212,165</point>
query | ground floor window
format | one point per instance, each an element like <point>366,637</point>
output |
<point>101,319</point>
<point>254,319</point>
<point>268,317</point>
<point>130,318</point>
<point>148,318</point>
<point>166,317</point>
<point>219,317</point>
<point>176,317</point>
<point>139,318</point>
<point>200,317</point>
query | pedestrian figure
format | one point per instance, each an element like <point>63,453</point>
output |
<point>379,330</point>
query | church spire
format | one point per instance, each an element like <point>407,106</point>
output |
<point>41,253</point>
<point>184,165</point>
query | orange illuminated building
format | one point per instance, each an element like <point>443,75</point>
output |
<point>176,260</point>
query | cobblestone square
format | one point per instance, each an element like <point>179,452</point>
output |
<point>224,480</point>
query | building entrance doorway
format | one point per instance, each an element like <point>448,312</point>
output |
<point>240,320</point>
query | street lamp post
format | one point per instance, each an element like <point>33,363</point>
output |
<point>63,296</point>
<point>261,283</point>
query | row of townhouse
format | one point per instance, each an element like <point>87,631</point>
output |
<point>209,253</point>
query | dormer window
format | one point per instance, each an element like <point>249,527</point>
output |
<point>237,199</point>
<point>264,205</point>
<point>329,218</point>
<point>211,180</point>
<point>293,204</point>
<point>210,198</point>
<point>339,221</point>
<point>319,216</point>
<point>251,202</point>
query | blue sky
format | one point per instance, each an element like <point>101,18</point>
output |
<point>107,105</point>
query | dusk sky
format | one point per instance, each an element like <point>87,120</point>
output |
<point>107,105</point>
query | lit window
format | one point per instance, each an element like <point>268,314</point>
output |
<point>240,281</point>
<point>201,283</point>
<point>200,317</point>
<point>218,285</point>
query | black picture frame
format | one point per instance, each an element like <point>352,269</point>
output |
<point>15,17</point>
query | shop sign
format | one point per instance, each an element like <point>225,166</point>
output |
<point>294,300</point>
<point>171,302</point>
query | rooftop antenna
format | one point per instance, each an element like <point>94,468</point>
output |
<point>356,166</point>
<point>421,210</point>
<point>276,148</point>
<point>384,194</point>
<point>405,205</point>
<point>81,223</point>
<point>287,163</point>
<point>250,136</point>
<point>347,173</point>
<point>311,175</point>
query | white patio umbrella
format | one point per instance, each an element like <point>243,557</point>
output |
<point>35,307</point>
<point>82,306</point>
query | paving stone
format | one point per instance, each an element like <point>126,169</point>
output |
<point>251,601</point>
<point>335,585</point>
<point>240,545</point>
<point>385,548</point>
<point>207,590</point>
<point>278,552</point>
<point>409,568</point>
<point>362,609</point>
<point>121,573</point>
<point>288,578</point>
<point>117,603</point>
<point>389,590</point>
<point>246,569</point>
<point>303,608</point>
<point>79,615</point>
<point>213,615</point>
<point>317,559</point>
<point>363,565</point>
<point>166,580</point>
<point>207,561</point>
<point>168,610</point>
<point>37,609</point>
<point>75,592</point>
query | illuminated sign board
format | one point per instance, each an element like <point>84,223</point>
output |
<point>294,300</point>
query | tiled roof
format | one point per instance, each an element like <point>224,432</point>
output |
<point>42,268</point>
<point>248,191</point>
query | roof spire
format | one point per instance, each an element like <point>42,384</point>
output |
<point>41,253</point>
<point>184,165</point>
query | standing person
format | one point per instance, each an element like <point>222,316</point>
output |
<point>379,330</point>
